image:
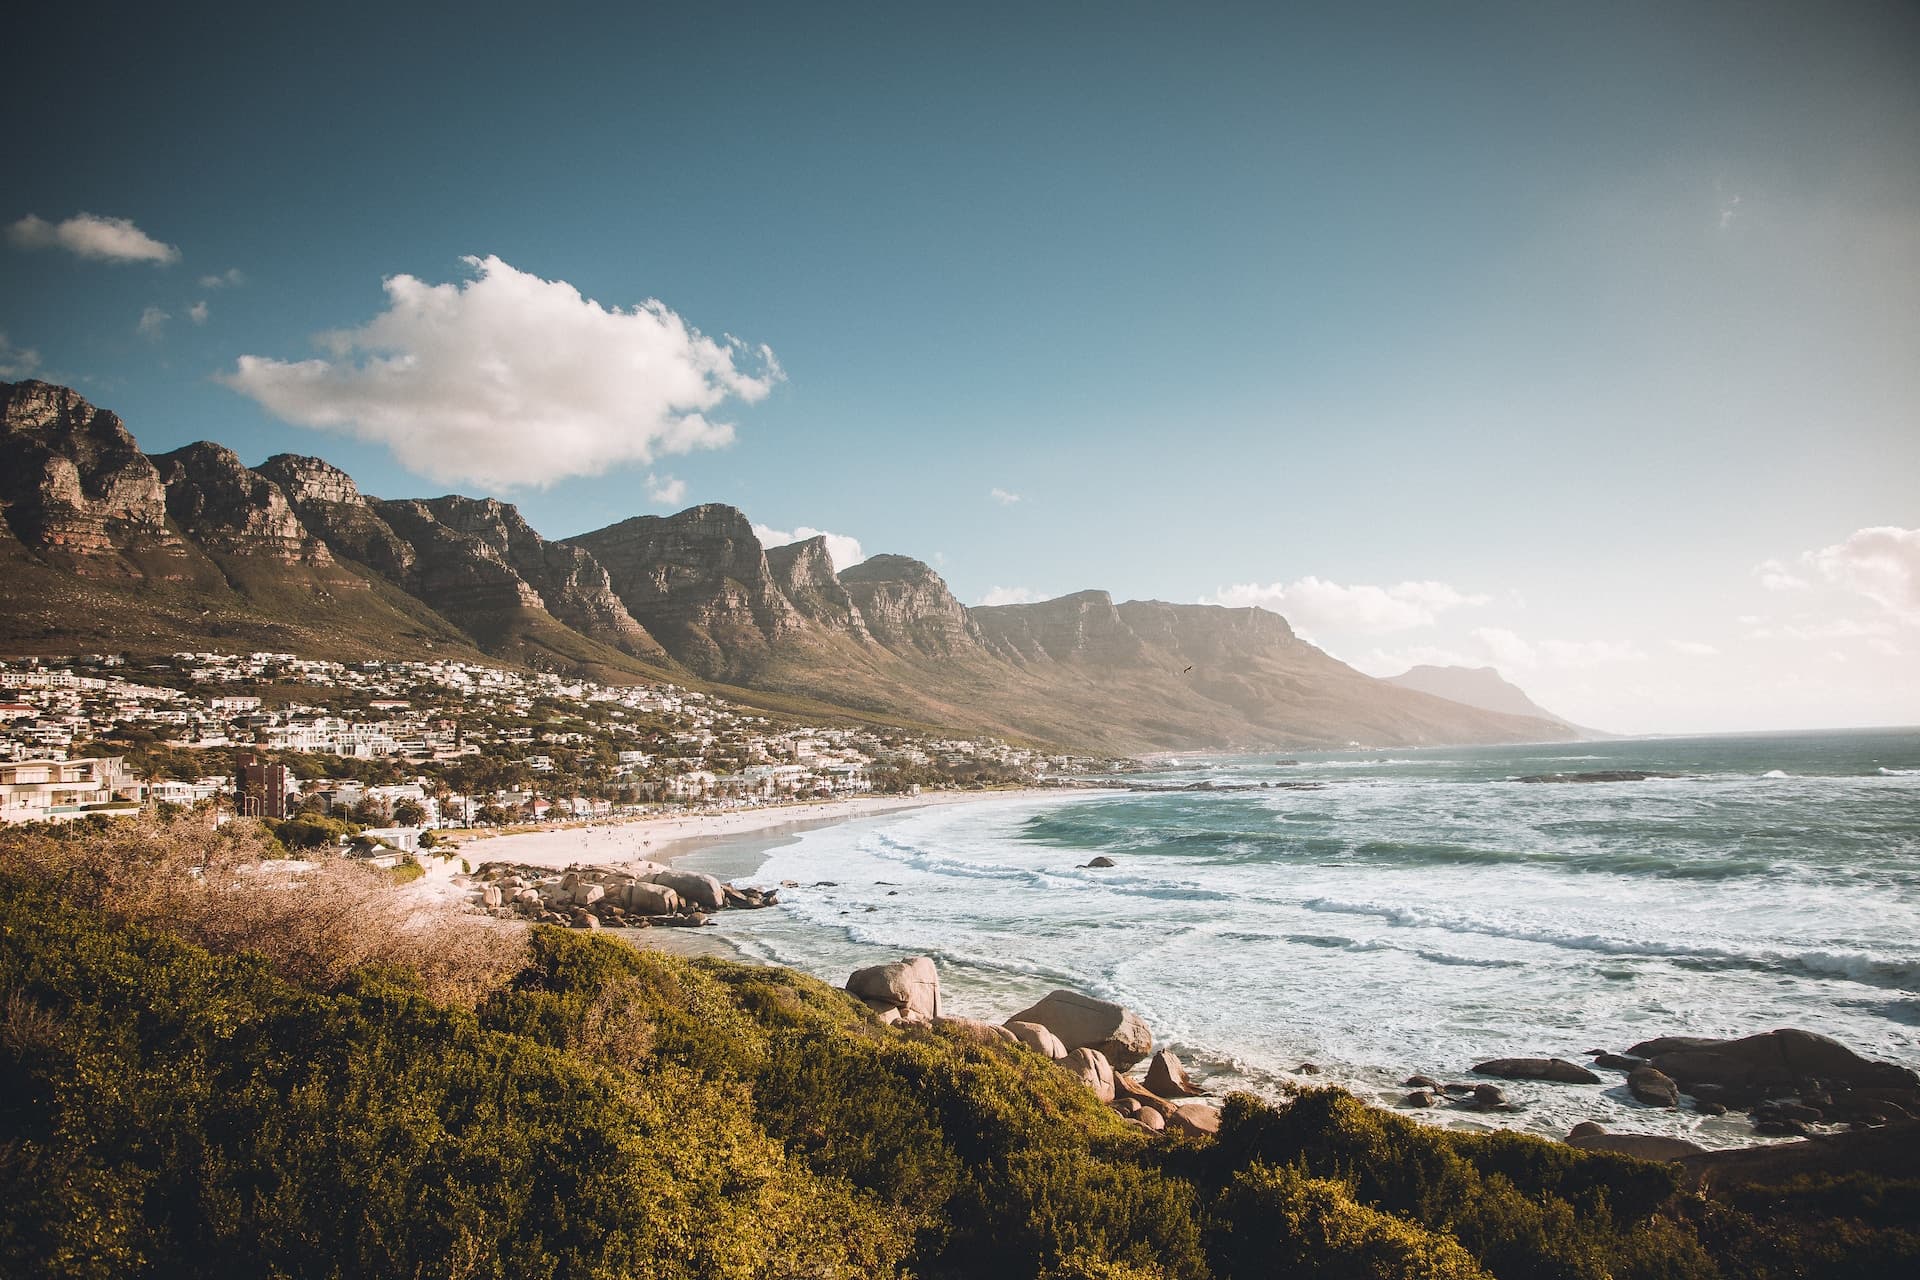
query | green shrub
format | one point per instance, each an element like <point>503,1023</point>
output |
<point>1281,1222</point>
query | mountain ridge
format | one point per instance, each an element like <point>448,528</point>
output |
<point>108,548</point>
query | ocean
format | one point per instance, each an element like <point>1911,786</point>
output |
<point>1379,914</point>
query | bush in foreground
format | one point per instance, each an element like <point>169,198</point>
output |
<point>174,1101</point>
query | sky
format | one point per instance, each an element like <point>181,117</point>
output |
<point>1578,340</point>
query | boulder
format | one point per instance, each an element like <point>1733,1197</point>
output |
<point>1558,1070</point>
<point>911,986</point>
<point>586,893</point>
<point>490,896</point>
<point>1643,1146</point>
<point>1195,1118</point>
<point>651,899</point>
<point>1169,1079</point>
<point>697,887</point>
<point>1706,1108</point>
<point>1586,1129</point>
<point>1124,1086</point>
<point>1618,1061</point>
<point>1421,1082</point>
<point>1038,1038</point>
<point>1652,1087</point>
<point>1083,1022</point>
<point>1419,1098</point>
<point>1127,1106</point>
<point>1771,1059</point>
<point>1098,863</point>
<point>1489,1096</point>
<point>1151,1119</point>
<point>1092,1067</point>
<point>977,1030</point>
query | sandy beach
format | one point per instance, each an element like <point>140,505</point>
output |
<point>657,838</point>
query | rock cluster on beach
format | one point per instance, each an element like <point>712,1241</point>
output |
<point>1791,1083</point>
<point>1096,1041</point>
<point>641,895</point>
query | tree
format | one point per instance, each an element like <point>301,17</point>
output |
<point>409,813</point>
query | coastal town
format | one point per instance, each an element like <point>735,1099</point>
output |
<point>396,750</point>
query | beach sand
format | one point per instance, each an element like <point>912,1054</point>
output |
<point>659,838</point>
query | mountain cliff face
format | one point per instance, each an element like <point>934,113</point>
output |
<point>103,547</point>
<point>570,583</point>
<point>803,572</point>
<point>77,490</point>
<point>908,608</point>
<point>332,506</point>
<point>699,582</point>
<point>213,498</point>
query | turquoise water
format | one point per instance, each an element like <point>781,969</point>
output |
<point>1387,913</point>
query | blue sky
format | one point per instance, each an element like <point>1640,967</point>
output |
<point>1583,340</point>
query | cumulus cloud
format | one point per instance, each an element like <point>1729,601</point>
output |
<point>841,549</point>
<point>1313,604</point>
<point>153,322</point>
<point>1010,595</point>
<point>507,379</point>
<point>1880,563</point>
<point>198,312</point>
<point>17,362</point>
<point>1774,575</point>
<point>89,235</point>
<point>1510,650</point>
<point>1003,497</point>
<point>231,278</point>
<point>667,491</point>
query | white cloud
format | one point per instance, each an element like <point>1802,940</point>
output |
<point>1010,595</point>
<point>1776,576</point>
<point>89,235</point>
<point>667,491</point>
<point>1881,563</point>
<point>198,312</point>
<point>1312,604</point>
<point>1694,648</point>
<point>1510,650</point>
<point>841,549</point>
<point>231,278</point>
<point>1003,497</point>
<point>17,362</point>
<point>153,322</point>
<point>507,379</point>
<point>1838,629</point>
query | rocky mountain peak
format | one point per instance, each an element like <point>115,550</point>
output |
<point>803,571</point>
<point>73,482</point>
<point>907,606</point>
<point>1083,626</point>
<point>307,480</point>
<point>227,507</point>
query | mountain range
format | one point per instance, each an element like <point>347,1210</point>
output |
<point>104,547</point>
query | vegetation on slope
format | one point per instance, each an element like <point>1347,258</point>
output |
<point>197,1081</point>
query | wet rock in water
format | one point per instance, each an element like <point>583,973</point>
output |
<point>1781,1127</point>
<point>1489,1096</point>
<point>1168,1078</point>
<point>1587,1129</point>
<point>1706,1108</point>
<point>910,986</point>
<point>1307,1069</point>
<point>1618,1061</point>
<point>1653,1087</point>
<point>1092,1068</point>
<point>696,887</point>
<point>1038,1038</point>
<point>1421,1082</point>
<point>1099,862</point>
<point>1557,1070</point>
<point>1421,1098</point>
<point>1642,1146</point>
<point>1082,1022</point>
<point>1771,1059</point>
